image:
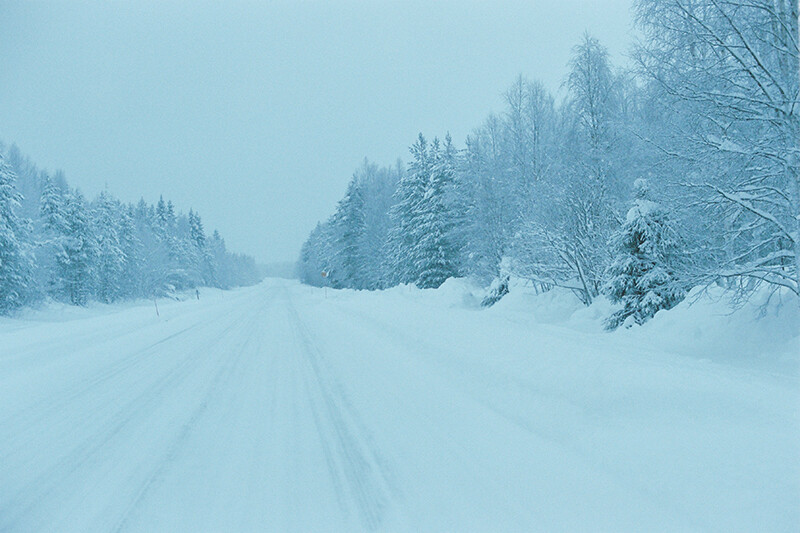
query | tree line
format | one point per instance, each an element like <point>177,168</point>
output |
<point>641,183</point>
<point>54,243</point>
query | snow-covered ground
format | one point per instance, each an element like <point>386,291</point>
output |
<point>283,407</point>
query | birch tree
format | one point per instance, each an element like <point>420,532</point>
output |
<point>730,69</point>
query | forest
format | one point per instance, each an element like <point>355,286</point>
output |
<point>680,170</point>
<point>55,244</point>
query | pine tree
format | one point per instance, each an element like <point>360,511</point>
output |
<point>350,226</point>
<point>406,233</point>
<point>196,232</point>
<point>54,226</point>
<point>131,246</point>
<point>15,266</point>
<point>110,255</point>
<point>171,217</point>
<point>77,260</point>
<point>161,218</point>
<point>197,235</point>
<point>642,277</point>
<point>103,250</point>
<point>176,261</point>
<point>438,251</point>
<point>51,208</point>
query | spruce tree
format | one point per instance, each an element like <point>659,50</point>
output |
<point>51,208</point>
<point>171,217</point>
<point>161,215</point>
<point>77,260</point>
<point>196,232</point>
<point>406,233</point>
<point>54,225</point>
<point>110,255</point>
<point>15,266</point>
<point>350,226</point>
<point>131,245</point>
<point>642,277</point>
<point>438,251</point>
<point>197,235</point>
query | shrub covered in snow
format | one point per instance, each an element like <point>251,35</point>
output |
<point>498,289</point>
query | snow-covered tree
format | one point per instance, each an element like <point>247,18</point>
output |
<point>314,257</point>
<point>196,232</point>
<point>197,235</point>
<point>132,249</point>
<point>727,71</point>
<point>77,260</point>
<point>529,119</point>
<point>422,239</point>
<point>350,227</point>
<point>591,95</point>
<point>107,215</point>
<point>15,263</point>
<point>438,250</point>
<point>407,230</point>
<point>52,208</point>
<point>50,248</point>
<point>643,275</point>
<point>378,185</point>
<point>590,183</point>
<point>108,251</point>
<point>561,238</point>
<point>352,246</point>
<point>488,194</point>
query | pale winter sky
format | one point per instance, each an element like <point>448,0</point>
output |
<point>257,113</point>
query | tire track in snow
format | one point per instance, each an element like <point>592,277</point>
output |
<point>216,387</point>
<point>41,410</point>
<point>53,477</point>
<point>509,384</point>
<point>28,350</point>
<point>354,464</point>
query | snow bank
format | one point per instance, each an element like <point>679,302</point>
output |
<point>52,311</point>
<point>707,325</point>
<point>459,293</point>
<point>552,307</point>
<point>765,332</point>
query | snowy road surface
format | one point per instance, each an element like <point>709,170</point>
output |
<point>276,408</point>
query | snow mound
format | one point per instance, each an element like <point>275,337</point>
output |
<point>459,292</point>
<point>707,325</point>
<point>551,307</point>
<point>764,333</point>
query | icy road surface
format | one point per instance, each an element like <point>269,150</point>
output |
<point>276,408</point>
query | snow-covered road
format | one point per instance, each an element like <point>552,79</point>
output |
<point>278,408</point>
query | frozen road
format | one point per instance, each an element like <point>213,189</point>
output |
<point>276,408</point>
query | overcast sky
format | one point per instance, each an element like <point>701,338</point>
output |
<point>257,113</point>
